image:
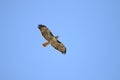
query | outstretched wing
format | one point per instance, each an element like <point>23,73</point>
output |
<point>59,46</point>
<point>46,33</point>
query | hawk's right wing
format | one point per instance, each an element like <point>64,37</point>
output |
<point>46,33</point>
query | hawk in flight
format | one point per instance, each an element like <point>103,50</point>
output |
<point>51,39</point>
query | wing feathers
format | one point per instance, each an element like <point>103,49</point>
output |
<point>59,46</point>
<point>45,32</point>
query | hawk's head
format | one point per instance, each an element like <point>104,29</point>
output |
<point>57,37</point>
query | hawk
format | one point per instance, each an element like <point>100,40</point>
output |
<point>51,39</point>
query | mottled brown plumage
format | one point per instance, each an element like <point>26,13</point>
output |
<point>51,39</point>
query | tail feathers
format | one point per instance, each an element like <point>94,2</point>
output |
<point>45,44</point>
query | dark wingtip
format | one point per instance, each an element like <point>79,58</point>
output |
<point>64,52</point>
<point>40,25</point>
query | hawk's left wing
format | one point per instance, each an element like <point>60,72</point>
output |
<point>59,46</point>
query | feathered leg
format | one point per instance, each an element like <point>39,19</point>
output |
<point>45,44</point>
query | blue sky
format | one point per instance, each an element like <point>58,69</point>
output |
<point>90,29</point>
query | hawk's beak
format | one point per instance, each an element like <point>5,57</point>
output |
<point>56,37</point>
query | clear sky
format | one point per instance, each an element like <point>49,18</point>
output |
<point>90,29</point>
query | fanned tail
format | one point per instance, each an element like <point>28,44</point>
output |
<point>45,44</point>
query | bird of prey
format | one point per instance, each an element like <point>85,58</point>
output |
<point>51,39</point>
